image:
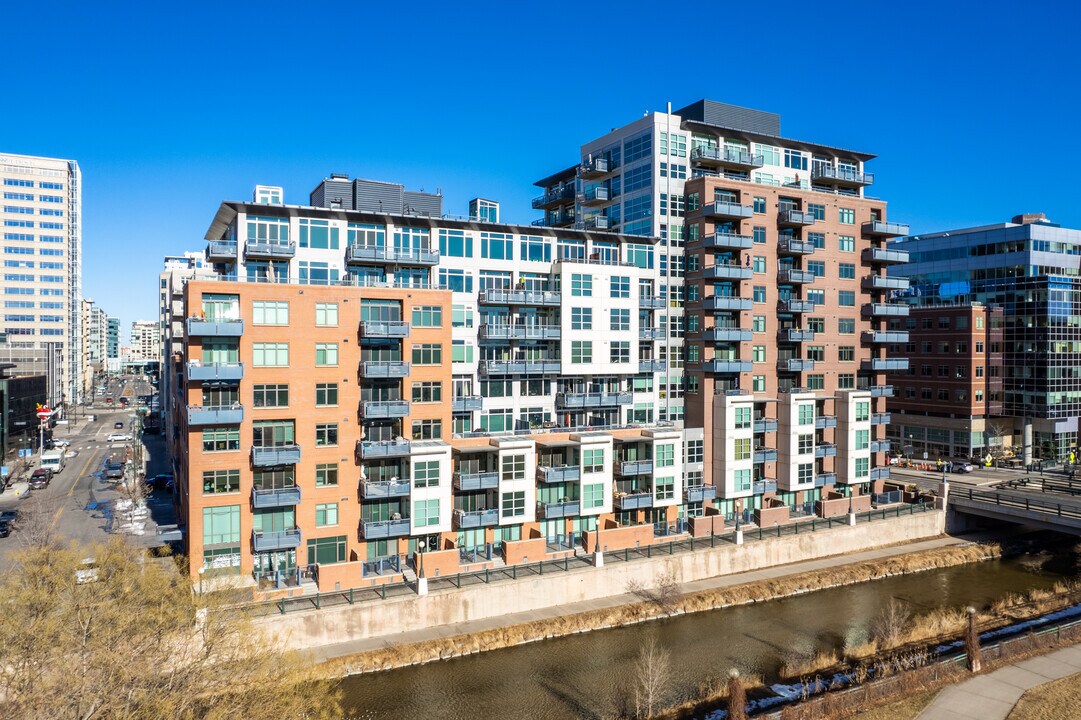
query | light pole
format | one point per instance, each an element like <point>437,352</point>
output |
<point>422,582</point>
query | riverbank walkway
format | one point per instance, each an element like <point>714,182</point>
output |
<point>337,650</point>
<point>994,695</point>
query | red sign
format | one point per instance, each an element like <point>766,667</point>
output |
<point>44,412</point>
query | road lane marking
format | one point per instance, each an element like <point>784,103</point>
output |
<point>71,491</point>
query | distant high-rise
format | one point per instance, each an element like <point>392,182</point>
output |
<point>145,342</point>
<point>112,339</point>
<point>42,283</point>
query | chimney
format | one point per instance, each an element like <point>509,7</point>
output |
<point>1029,218</point>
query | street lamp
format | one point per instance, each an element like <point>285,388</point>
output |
<point>202,570</point>
<point>420,558</point>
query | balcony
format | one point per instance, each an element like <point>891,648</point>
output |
<point>724,210</point>
<point>881,228</point>
<point>198,327</point>
<point>791,217</point>
<point>726,334</point>
<point>728,303</point>
<point>880,473</point>
<point>472,481</point>
<point>269,250</point>
<point>469,519</point>
<point>727,241</point>
<point>594,167</point>
<point>825,450</point>
<point>880,446</point>
<point>597,195</point>
<point>221,252</point>
<point>629,468</point>
<point>794,335</point>
<point>884,282</point>
<point>271,455</point>
<point>384,329</point>
<point>761,487</point>
<point>215,372</point>
<point>562,219</point>
<point>521,367</point>
<point>382,489</point>
<point>699,493</point>
<point>549,511</point>
<point>824,479</point>
<point>559,473</point>
<point>795,305</point>
<point>764,455</point>
<point>384,369</point>
<point>883,337</point>
<point>370,449</point>
<point>380,529</point>
<point>372,409</point>
<point>841,176</point>
<point>882,255</point>
<point>792,276</point>
<point>366,254</point>
<point>597,222</point>
<point>576,401</point>
<point>648,334</point>
<point>275,497</point>
<point>795,365</point>
<point>727,366</point>
<point>885,364</point>
<point>765,425</point>
<point>726,272</point>
<point>792,246</point>
<point>540,298</point>
<point>501,331</point>
<point>215,414</point>
<point>652,366</point>
<point>466,403</point>
<point>886,309</point>
<point>825,422</point>
<point>881,418</point>
<point>275,540</point>
<point>652,302</point>
<point>878,391</point>
<point>554,198</point>
<point>633,501</point>
<point>726,157</point>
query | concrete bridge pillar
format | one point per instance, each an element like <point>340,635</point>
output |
<point>1026,441</point>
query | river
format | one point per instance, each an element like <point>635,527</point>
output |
<point>582,676</point>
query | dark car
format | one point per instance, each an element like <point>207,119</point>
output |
<point>40,479</point>
<point>5,529</point>
<point>162,481</point>
<point>9,516</point>
<point>118,426</point>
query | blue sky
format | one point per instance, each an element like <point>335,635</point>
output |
<point>172,107</point>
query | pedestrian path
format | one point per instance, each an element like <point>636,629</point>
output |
<point>993,696</point>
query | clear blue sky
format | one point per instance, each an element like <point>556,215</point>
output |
<point>171,108</point>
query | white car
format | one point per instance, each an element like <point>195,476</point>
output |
<point>119,437</point>
<point>61,443</point>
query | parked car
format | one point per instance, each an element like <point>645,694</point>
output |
<point>161,481</point>
<point>40,479</point>
<point>118,437</point>
<point>962,466</point>
<point>5,529</point>
<point>118,426</point>
<point>114,470</point>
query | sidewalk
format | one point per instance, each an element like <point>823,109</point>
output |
<point>993,696</point>
<point>328,652</point>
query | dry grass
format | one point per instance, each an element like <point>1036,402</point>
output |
<point>800,667</point>
<point>907,709</point>
<point>1053,701</point>
<point>458,645</point>
<point>708,696</point>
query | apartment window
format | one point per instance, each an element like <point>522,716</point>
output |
<point>805,444</point>
<point>620,353</point>
<point>460,352</point>
<point>269,396</point>
<point>620,286</point>
<point>326,474</point>
<point>619,319</point>
<point>534,249</point>
<point>758,353</point>
<point>846,353</point>
<point>428,316</point>
<point>816,353</point>
<point>456,280</point>
<point>581,285</point>
<point>694,451</point>
<point>846,243</point>
<point>925,393</point>
<point>221,481</point>
<point>427,354</point>
<point>863,439</point>
<point>497,246</point>
<point>979,371</point>
<point>581,352</point>
<point>581,318</point>
<point>863,411</point>
<point>846,326</point>
<point>806,414</point>
<point>760,205</point>
<point>326,514</point>
<point>979,323</point>
<point>270,354</point>
<point>326,394</point>
<point>741,480</point>
<point>758,383</point>
<point>426,473</point>
<point>664,488</point>
<point>846,271</point>
<point>326,354</point>
<point>743,418</point>
<point>593,495</point>
<point>846,216</point>
<point>326,434</point>
<point>513,468</point>
<point>795,159</point>
<point>221,525</point>
<point>759,235</point>
<point>759,264</point>
<point>816,297</point>
<point>427,392</point>
<point>846,381</point>
<point>863,467</point>
<point>455,243</point>
<point>426,512</point>
<point>326,551</point>
<point>513,504</point>
<point>427,429</point>
<point>846,298</point>
<point>758,324</point>
<point>816,381</point>
<point>326,314</point>
<point>593,461</point>
<point>818,211</point>
<point>818,239</point>
<point>665,455</point>
<point>221,439</point>
<point>741,449</point>
<point>817,267</point>
<point>759,293</point>
<point>266,312</point>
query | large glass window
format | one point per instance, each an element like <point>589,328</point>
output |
<point>426,473</point>
<point>221,481</point>
<point>326,514</point>
<point>455,243</point>
<point>428,316</point>
<point>270,354</point>
<point>326,354</point>
<point>221,439</point>
<point>496,246</point>
<point>326,394</point>
<point>326,314</point>
<point>426,512</point>
<point>318,234</point>
<point>221,525</point>
<point>593,461</point>
<point>513,504</point>
<point>266,396</point>
<point>427,354</point>
<point>268,312</point>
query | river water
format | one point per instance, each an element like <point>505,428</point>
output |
<point>583,676</point>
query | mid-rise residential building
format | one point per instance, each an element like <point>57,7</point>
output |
<point>1031,268</point>
<point>177,270</point>
<point>94,329</point>
<point>145,341</point>
<point>41,213</point>
<point>112,339</point>
<point>948,402</point>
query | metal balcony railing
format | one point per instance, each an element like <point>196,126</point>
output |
<point>469,481</point>
<point>275,540</point>
<point>372,409</point>
<point>199,327</point>
<point>383,448</point>
<point>215,372</point>
<point>634,501</point>
<point>377,489</point>
<point>378,529</point>
<point>841,176</point>
<point>215,414</point>
<point>699,493</point>
<point>544,298</point>
<point>384,329</point>
<point>559,473</point>
<point>267,456</point>
<point>882,255</point>
<point>635,467</point>
<point>881,228</point>
<point>727,241</point>
<point>568,508</point>
<point>795,218</point>
<point>466,519</point>
<point>269,250</point>
<point>275,497</point>
<point>384,369</point>
<point>727,210</point>
<point>467,403</point>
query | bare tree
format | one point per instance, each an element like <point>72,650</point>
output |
<point>664,593</point>
<point>653,672</point>
<point>35,524</point>
<point>737,697</point>
<point>996,431</point>
<point>890,623</point>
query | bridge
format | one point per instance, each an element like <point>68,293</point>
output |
<point>1048,503</point>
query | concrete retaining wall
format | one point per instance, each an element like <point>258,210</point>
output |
<point>309,629</point>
